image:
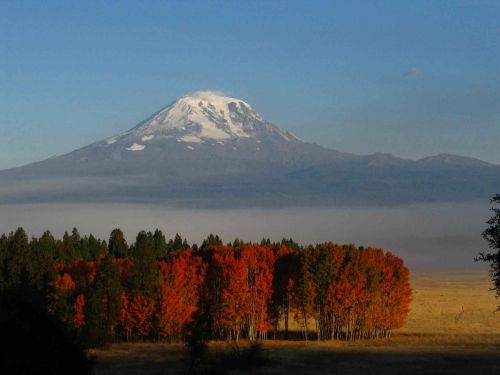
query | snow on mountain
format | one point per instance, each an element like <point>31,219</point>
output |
<point>136,147</point>
<point>199,117</point>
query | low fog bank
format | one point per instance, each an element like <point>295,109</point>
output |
<point>427,236</point>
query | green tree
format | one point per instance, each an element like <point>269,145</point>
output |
<point>68,248</point>
<point>321,272</point>
<point>43,251</point>
<point>144,273</point>
<point>4,244</point>
<point>211,240</point>
<point>18,261</point>
<point>266,242</point>
<point>237,242</point>
<point>94,247</point>
<point>160,243</point>
<point>289,242</point>
<point>177,245</point>
<point>492,235</point>
<point>117,245</point>
<point>304,290</point>
<point>103,306</point>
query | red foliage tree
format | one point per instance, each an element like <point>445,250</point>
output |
<point>79,307</point>
<point>125,320</point>
<point>64,283</point>
<point>82,272</point>
<point>180,281</point>
<point>397,291</point>
<point>141,311</point>
<point>259,261</point>
<point>235,307</point>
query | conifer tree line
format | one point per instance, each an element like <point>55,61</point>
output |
<point>155,289</point>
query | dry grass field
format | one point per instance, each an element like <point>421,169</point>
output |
<point>458,303</point>
<point>453,328</point>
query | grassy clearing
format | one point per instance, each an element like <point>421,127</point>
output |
<point>452,328</point>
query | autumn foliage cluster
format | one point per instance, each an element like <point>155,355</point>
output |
<point>156,289</point>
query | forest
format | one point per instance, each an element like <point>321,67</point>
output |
<point>154,289</point>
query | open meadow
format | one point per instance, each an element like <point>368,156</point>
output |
<point>452,328</point>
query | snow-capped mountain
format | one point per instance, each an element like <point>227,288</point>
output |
<point>203,116</point>
<point>207,149</point>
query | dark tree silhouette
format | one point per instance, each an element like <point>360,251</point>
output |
<point>117,245</point>
<point>144,273</point>
<point>104,305</point>
<point>492,235</point>
<point>160,243</point>
<point>176,245</point>
<point>18,265</point>
<point>211,240</point>
<point>33,341</point>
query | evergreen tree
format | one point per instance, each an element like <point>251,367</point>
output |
<point>211,240</point>
<point>117,246</point>
<point>237,242</point>
<point>103,306</point>
<point>492,235</point>
<point>266,242</point>
<point>69,247</point>
<point>94,248</point>
<point>178,244</point>
<point>43,251</point>
<point>160,243</point>
<point>289,242</point>
<point>304,291</point>
<point>76,239</point>
<point>144,272</point>
<point>75,236</point>
<point>18,263</point>
<point>4,242</point>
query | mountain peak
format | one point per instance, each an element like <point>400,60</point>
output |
<point>202,116</point>
<point>216,98</point>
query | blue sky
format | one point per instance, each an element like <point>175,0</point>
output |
<point>409,78</point>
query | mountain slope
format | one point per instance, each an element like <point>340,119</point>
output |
<point>206,149</point>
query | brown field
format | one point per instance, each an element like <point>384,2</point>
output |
<point>452,328</point>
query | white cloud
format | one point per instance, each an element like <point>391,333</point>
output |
<point>411,72</point>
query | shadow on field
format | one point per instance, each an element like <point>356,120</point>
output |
<point>403,355</point>
<point>385,362</point>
